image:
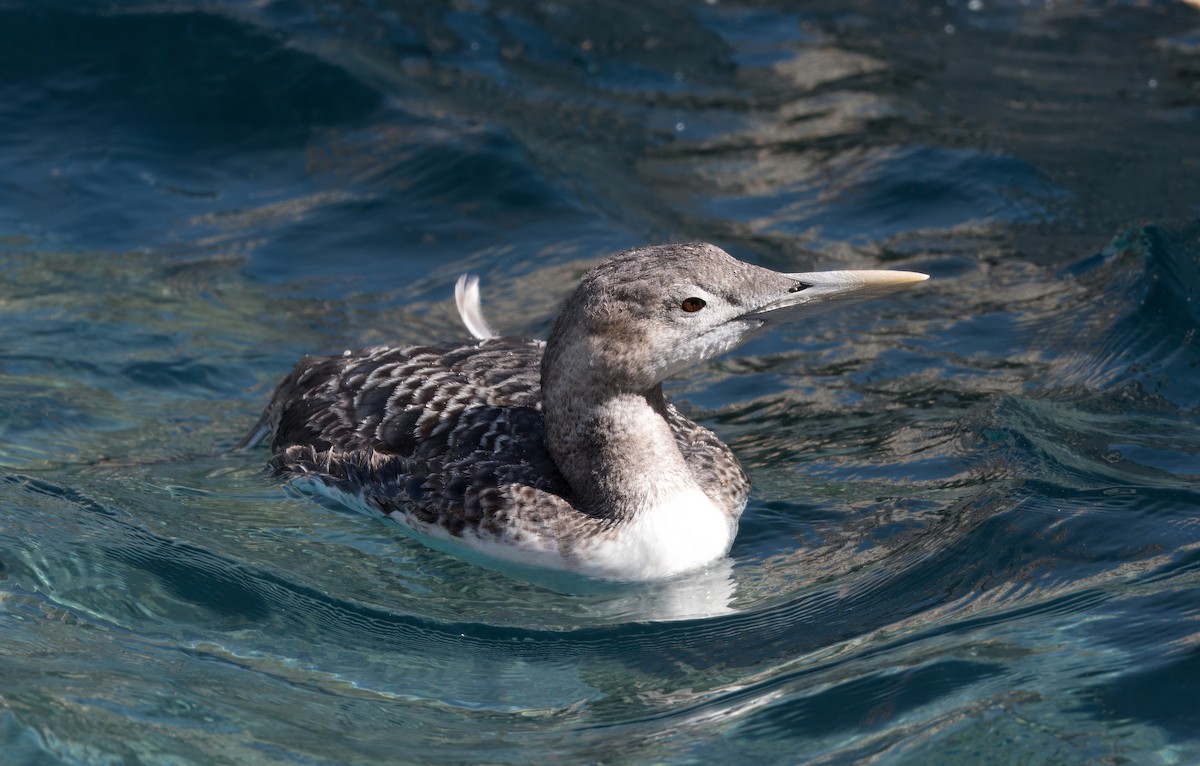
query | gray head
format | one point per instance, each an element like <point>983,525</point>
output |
<point>648,313</point>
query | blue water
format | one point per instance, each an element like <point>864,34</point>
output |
<point>975,530</point>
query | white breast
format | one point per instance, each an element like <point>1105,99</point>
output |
<point>682,531</point>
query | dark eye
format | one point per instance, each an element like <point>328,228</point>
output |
<point>692,305</point>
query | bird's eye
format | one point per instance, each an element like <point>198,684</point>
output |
<point>692,305</point>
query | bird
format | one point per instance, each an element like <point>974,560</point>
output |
<point>561,454</point>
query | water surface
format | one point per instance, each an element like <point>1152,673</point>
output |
<point>973,536</point>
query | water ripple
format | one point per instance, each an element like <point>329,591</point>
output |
<point>972,536</point>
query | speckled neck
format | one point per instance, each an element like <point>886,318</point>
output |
<point>616,449</point>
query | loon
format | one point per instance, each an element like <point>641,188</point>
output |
<point>562,454</point>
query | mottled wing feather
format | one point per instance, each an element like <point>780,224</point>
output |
<point>444,435</point>
<point>712,463</point>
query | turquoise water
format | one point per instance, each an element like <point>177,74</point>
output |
<point>975,530</point>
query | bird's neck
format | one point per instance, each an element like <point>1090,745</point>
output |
<point>616,450</point>
<point>621,458</point>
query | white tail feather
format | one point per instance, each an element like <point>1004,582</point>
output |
<point>466,296</point>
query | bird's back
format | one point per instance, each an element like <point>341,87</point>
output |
<point>446,435</point>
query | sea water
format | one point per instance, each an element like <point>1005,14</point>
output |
<point>975,530</point>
